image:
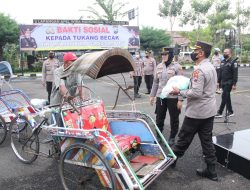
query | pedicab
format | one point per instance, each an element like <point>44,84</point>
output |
<point>103,149</point>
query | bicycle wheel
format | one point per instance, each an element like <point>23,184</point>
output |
<point>3,130</point>
<point>83,167</point>
<point>24,142</point>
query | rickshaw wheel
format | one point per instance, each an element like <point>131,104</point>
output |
<point>80,165</point>
<point>24,143</point>
<point>3,130</point>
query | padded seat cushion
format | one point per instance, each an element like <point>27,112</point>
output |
<point>132,128</point>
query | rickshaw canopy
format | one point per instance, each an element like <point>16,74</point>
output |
<point>5,69</point>
<point>102,63</point>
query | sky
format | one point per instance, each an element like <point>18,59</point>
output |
<point>24,11</point>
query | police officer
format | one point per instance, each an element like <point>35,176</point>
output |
<point>200,110</point>
<point>137,74</point>
<point>216,61</point>
<point>49,66</point>
<point>149,65</point>
<point>227,78</point>
<point>173,103</point>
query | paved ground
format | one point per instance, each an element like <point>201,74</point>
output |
<point>43,174</point>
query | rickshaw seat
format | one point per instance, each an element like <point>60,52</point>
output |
<point>132,128</point>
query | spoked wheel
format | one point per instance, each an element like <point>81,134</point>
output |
<point>24,143</point>
<point>3,130</point>
<point>83,167</point>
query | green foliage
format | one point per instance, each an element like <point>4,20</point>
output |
<point>9,32</point>
<point>111,10</point>
<point>197,15</point>
<point>10,52</point>
<point>246,42</point>
<point>153,39</point>
<point>221,19</point>
<point>205,35</point>
<point>170,8</point>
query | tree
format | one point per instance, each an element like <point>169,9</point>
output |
<point>197,15</point>
<point>171,10</point>
<point>110,10</point>
<point>153,39</point>
<point>221,21</point>
<point>9,32</point>
<point>205,35</point>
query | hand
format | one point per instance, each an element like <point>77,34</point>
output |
<point>179,104</point>
<point>234,87</point>
<point>152,101</point>
<point>175,91</point>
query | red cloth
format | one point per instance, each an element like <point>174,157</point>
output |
<point>93,116</point>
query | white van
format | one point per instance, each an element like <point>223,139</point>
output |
<point>185,56</point>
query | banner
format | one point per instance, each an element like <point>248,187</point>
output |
<point>47,37</point>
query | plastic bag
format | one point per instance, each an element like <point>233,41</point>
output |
<point>179,81</point>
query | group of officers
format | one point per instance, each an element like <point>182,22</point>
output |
<point>201,107</point>
<point>207,77</point>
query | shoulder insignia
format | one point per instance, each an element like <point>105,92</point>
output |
<point>195,75</point>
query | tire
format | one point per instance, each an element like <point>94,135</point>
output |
<point>3,130</point>
<point>24,143</point>
<point>74,176</point>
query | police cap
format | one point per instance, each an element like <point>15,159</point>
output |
<point>202,45</point>
<point>167,50</point>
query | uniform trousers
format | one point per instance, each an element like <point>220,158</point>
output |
<point>149,81</point>
<point>226,98</point>
<point>137,83</point>
<point>190,127</point>
<point>170,104</point>
<point>49,89</point>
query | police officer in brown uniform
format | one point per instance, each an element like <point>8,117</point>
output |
<point>49,66</point>
<point>149,65</point>
<point>200,110</point>
<point>173,103</point>
<point>137,74</point>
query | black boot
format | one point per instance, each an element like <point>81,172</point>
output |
<point>209,172</point>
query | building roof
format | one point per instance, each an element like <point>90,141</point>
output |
<point>178,38</point>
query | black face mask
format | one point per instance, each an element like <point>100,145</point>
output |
<point>216,53</point>
<point>193,56</point>
<point>226,56</point>
<point>51,56</point>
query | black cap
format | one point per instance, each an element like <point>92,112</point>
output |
<point>167,50</point>
<point>202,45</point>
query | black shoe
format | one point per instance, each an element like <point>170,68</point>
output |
<point>137,96</point>
<point>209,172</point>
<point>171,141</point>
<point>230,114</point>
<point>218,115</point>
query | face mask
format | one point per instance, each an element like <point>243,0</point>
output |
<point>216,53</point>
<point>51,56</point>
<point>137,56</point>
<point>193,56</point>
<point>226,56</point>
